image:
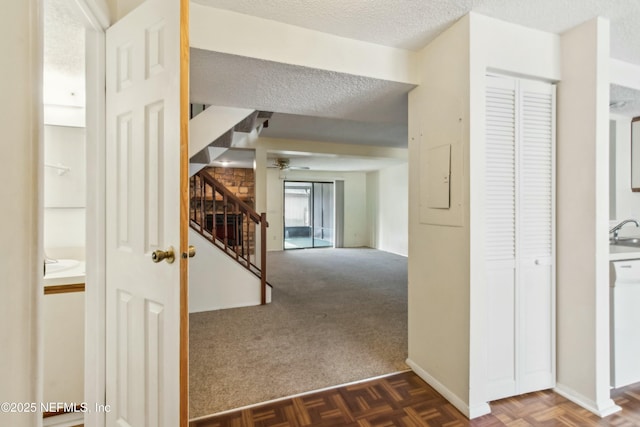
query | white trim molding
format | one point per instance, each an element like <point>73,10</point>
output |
<point>97,12</point>
<point>94,358</point>
<point>470,412</point>
<point>602,410</point>
<point>624,74</point>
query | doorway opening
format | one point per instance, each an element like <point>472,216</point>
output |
<point>66,143</point>
<point>309,212</point>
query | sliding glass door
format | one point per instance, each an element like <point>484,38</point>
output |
<point>308,215</point>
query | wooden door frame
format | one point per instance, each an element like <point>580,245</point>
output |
<point>184,212</point>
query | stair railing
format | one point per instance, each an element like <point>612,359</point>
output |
<point>230,224</point>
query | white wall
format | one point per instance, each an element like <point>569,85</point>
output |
<point>275,213</point>
<point>63,317</point>
<point>225,31</point>
<point>216,281</point>
<point>356,231</point>
<point>119,8</point>
<point>64,193</point>
<point>583,218</point>
<point>438,316</point>
<point>64,233</point>
<point>624,74</point>
<point>21,266</point>
<point>388,207</point>
<point>627,203</point>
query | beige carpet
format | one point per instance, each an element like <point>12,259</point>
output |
<point>338,315</point>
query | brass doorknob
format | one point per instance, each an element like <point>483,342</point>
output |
<point>160,255</point>
<point>190,254</point>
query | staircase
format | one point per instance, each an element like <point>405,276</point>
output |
<point>231,225</point>
<point>217,214</point>
<point>213,130</point>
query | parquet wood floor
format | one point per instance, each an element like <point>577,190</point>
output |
<point>405,400</point>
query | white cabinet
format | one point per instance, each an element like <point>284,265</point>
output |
<point>625,318</point>
<point>519,235</point>
<point>63,328</point>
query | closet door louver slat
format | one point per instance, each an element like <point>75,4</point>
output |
<point>535,177</point>
<point>500,174</point>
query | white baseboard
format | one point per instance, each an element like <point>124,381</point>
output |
<point>468,411</point>
<point>602,410</point>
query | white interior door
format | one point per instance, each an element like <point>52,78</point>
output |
<point>143,331</point>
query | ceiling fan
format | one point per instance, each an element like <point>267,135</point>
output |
<point>283,164</point>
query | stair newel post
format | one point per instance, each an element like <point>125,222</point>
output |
<point>263,258</point>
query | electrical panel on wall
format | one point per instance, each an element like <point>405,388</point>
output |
<point>439,177</point>
<point>441,158</point>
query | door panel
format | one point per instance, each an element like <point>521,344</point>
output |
<point>537,328</point>
<point>143,345</point>
<point>298,208</point>
<point>322,214</point>
<point>501,322</point>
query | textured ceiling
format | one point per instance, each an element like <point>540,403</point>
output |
<point>240,158</point>
<point>630,99</point>
<point>411,24</point>
<point>327,106</point>
<point>324,106</point>
<point>236,81</point>
<point>310,104</point>
<point>291,126</point>
<point>64,82</point>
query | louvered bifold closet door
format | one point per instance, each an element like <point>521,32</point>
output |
<point>535,230</point>
<point>500,234</point>
<point>519,230</point>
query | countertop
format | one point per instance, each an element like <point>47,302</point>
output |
<point>619,252</point>
<point>71,276</point>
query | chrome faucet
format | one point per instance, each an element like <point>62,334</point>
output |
<point>617,228</point>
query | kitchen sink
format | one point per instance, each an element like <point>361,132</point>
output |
<point>632,242</point>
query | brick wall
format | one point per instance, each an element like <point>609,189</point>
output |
<point>240,182</point>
